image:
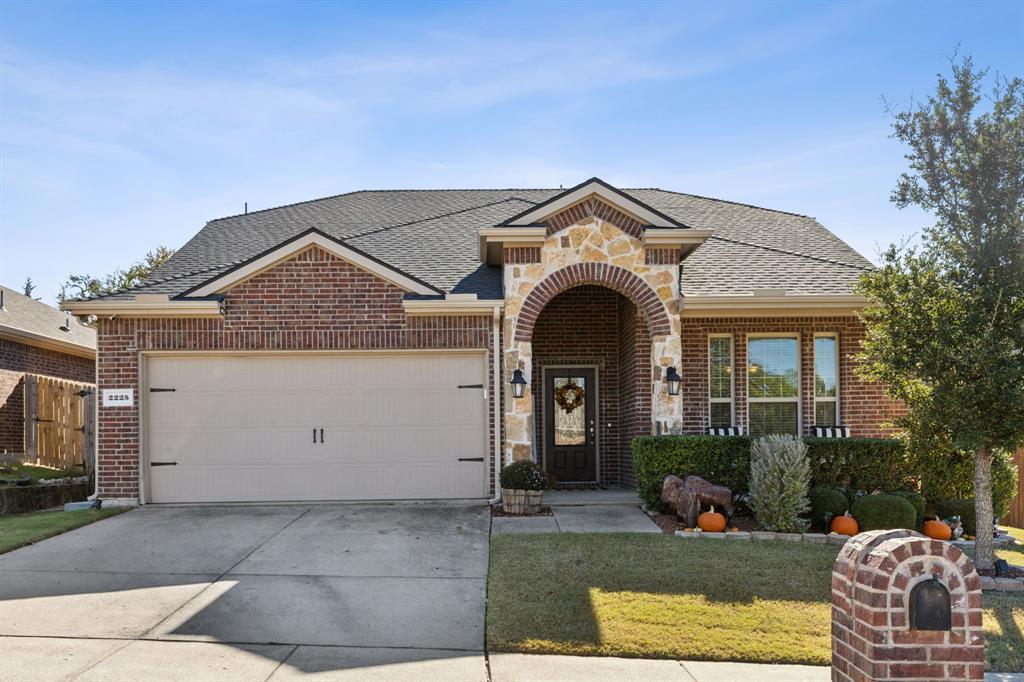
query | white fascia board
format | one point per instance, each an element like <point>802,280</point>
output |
<point>144,308</point>
<point>271,258</point>
<point>450,307</point>
<point>47,342</point>
<point>640,212</point>
<point>520,236</point>
<point>806,304</point>
<point>678,236</point>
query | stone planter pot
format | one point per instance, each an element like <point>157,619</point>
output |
<point>521,501</point>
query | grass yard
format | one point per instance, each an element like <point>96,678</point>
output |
<point>39,473</point>
<point>18,530</point>
<point>656,596</point>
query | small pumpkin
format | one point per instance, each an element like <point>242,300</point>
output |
<point>937,530</point>
<point>711,521</point>
<point>845,525</point>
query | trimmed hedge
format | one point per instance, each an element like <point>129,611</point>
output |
<point>826,501</point>
<point>962,508</point>
<point>867,464</point>
<point>916,499</point>
<point>882,512</point>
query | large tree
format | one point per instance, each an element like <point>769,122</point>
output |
<point>87,286</point>
<point>945,326</point>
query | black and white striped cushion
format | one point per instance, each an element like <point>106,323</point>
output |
<point>724,431</point>
<point>832,431</point>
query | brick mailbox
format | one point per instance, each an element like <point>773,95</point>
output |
<point>905,607</point>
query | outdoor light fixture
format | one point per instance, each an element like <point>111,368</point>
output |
<point>674,380</point>
<point>518,384</point>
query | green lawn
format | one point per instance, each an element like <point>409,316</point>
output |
<point>657,596</point>
<point>18,530</point>
<point>40,473</point>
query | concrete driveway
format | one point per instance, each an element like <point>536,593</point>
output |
<point>251,593</point>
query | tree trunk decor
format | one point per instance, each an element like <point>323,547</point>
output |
<point>685,496</point>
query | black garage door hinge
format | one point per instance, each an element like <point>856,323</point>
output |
<point>471,459</point>
<point>471,385</point>
<point>162,390</point>
<point>163,464</point>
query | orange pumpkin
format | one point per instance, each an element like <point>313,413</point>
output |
<point>937,530</point>
<point>711,521</point>
<point>845,525</point>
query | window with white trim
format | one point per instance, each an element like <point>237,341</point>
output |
<point>720,402</point>
<point>773,384</point>
<point>826,380</point>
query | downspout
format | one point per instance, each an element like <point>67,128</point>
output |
<point>496,367</point>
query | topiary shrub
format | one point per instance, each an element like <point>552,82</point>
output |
<point>722,460</point>
<point>523,475</point>
<point>916,499</point>
<point>962,508</point>
<point>883,512</point>
<point>779,477</point>
<point>826,504</point>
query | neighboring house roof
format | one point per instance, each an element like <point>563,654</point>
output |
<point>431,235</point>
<point>31,322</point>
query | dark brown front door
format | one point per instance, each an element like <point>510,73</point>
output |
<point>570,429</point>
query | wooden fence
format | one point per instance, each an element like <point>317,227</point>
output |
<point>1016,515</point>
<point>59,422</point>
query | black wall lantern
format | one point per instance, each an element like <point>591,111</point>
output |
<point>518,384</point>
<point>929,606</point>
<point>674,380</point>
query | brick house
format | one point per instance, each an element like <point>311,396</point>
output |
<point>36,339</point>
<point>364,346</point>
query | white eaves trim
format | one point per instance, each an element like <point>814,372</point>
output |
<point>451,306</point>
<point>679,236</point>
<point>772,305</point>
<point>492,239</point>
<point>593,188</point>
<point>148,306</point>
<point>49,343</point>
<point>312,238</point>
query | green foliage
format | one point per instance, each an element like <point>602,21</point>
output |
<point>78,286</point>
<point>865,464</point>
<point>950,476</point>
<point>882,512</point>
<point>826,504</point>
<point>962,508</point>
<point>917,500</point>
<point>722,460</point>
<point>779,477</point>
<point>523,475</point>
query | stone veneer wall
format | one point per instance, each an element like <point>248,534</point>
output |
<point>17,360</point>
<point>863,405</point>
<point>312,301</point>
<point>588,250</point>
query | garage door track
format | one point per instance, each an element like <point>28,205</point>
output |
<point>268,592</point>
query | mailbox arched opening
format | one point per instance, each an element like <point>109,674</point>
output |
<point>930,607</point>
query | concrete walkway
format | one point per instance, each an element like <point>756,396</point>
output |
<point>614,510</point>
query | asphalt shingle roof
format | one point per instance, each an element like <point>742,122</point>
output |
<point>432,235</point>
<point>25,314</point>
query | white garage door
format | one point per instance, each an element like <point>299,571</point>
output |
<point>248,428</point>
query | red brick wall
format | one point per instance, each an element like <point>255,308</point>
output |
<point>17,360</point>
<point>313,301</point>
<point>634,385</point>
<point>863,405</point>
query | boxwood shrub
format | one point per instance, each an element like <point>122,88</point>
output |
<point>916,499</point>
<point>882,512</point>
<point>867,464</point>
<point>826,503</point>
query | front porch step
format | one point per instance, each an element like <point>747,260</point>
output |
<point>580,498</point>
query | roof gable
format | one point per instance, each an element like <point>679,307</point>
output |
<point>610,197</point>
<point>268,259</point>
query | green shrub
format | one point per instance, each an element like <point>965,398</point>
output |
<point>779,477</point>
<point>523,475</point>
<point>826,504</point>
<point>722,460</point>
<point>882,512</point>
<point>950,476</point>
<point>865,464</point>
<point>962,508</point>
<point>916,499</point>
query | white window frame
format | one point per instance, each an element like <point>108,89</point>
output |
<point>826,399</point>
<point>799,377</point>
<point>732,379</point>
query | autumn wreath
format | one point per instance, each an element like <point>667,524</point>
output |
<point>569,396</point>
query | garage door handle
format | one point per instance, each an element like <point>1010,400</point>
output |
<point>163,464</point>
<point>471,459</point>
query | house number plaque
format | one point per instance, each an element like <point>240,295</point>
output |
<point>118,397</point>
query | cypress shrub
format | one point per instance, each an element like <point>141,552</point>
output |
<point>779,478</point>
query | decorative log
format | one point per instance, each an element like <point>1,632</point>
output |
<point>685,496</point>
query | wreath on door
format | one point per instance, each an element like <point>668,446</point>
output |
<point>569,396</point>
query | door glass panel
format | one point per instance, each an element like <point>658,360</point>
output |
<point>570,411</point>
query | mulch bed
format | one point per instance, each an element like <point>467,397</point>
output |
<point>498,510</point>
<point>669,524</point>
<point>1014,572</point>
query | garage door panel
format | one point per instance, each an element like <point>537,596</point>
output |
<point>241,427</point>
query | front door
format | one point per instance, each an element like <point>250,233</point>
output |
<point>570,433</point>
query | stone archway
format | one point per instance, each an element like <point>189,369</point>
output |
<point>611,276</point>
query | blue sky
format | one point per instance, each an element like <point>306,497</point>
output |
<point>128,125</point>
